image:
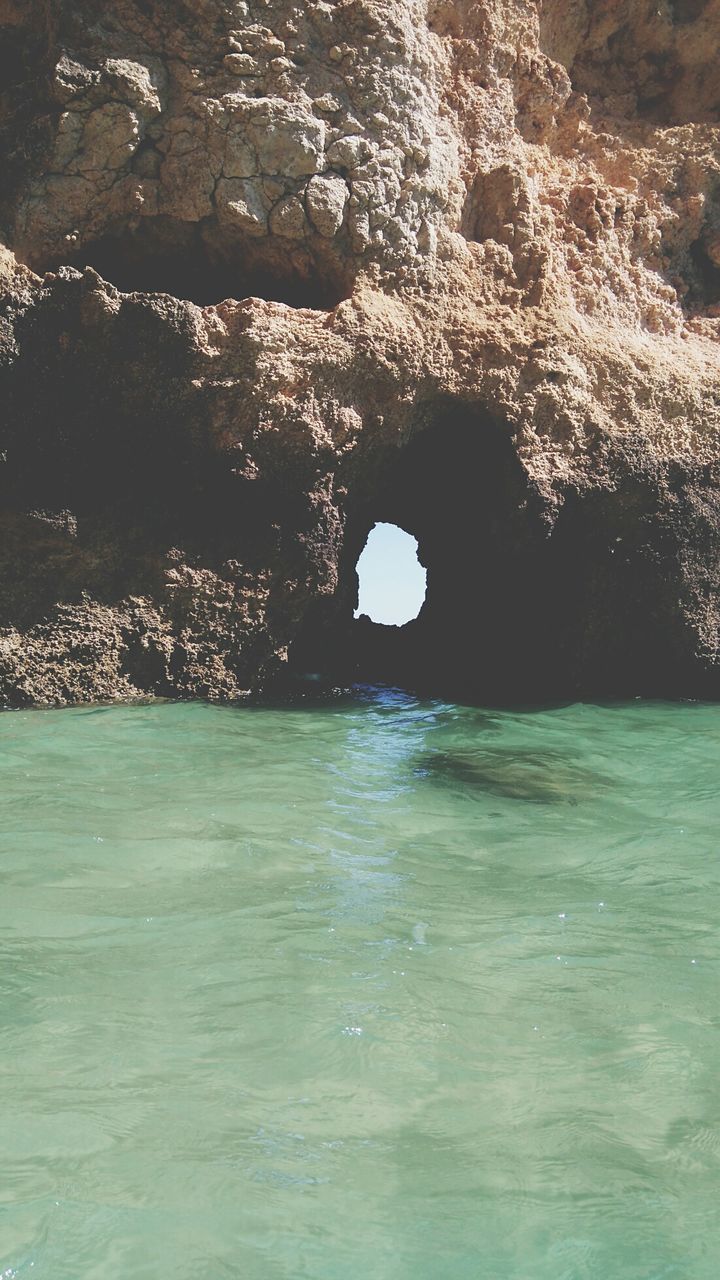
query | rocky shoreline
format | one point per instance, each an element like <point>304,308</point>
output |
<point>472,259</point>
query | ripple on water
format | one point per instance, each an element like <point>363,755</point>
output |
<point>386,987</point>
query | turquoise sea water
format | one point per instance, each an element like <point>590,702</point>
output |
<point>385,989</point>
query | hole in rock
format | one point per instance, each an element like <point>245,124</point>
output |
<point>200,266</point>
<point>458,490</point>
<point>392,581</point>
<point>523,603</point>
<point>704,277</point>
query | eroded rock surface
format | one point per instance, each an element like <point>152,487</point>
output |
<point>273,272</point>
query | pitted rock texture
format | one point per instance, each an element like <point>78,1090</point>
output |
<point>272,273</point>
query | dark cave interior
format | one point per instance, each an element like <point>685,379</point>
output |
<point>703,277</point>
<point>197,264</point>
<point>458,488</point>
<point>522,605</point>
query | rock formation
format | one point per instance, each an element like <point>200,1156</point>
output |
<point>274,271</point>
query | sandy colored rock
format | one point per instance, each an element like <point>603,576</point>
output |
<point>271,273</point>
<point>326,198</point>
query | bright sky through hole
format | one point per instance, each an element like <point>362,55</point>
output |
<point>392,582</point>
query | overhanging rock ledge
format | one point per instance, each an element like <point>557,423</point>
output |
<point>272,272</point>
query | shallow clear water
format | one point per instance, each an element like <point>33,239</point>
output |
<point>386,989</point>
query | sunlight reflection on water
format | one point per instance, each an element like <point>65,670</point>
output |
<point>383,987</point>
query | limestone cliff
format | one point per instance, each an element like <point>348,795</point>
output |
<point>273,272</point>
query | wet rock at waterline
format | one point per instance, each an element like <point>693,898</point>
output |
<point>272,275</point>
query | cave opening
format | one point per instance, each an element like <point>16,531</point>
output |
<point>526,601</point>
<point>703,276</point>
<point>391,580</point>
<point>458,490</point>
<point>198,264</point>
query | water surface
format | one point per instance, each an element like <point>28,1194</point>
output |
<point>387,989</point>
